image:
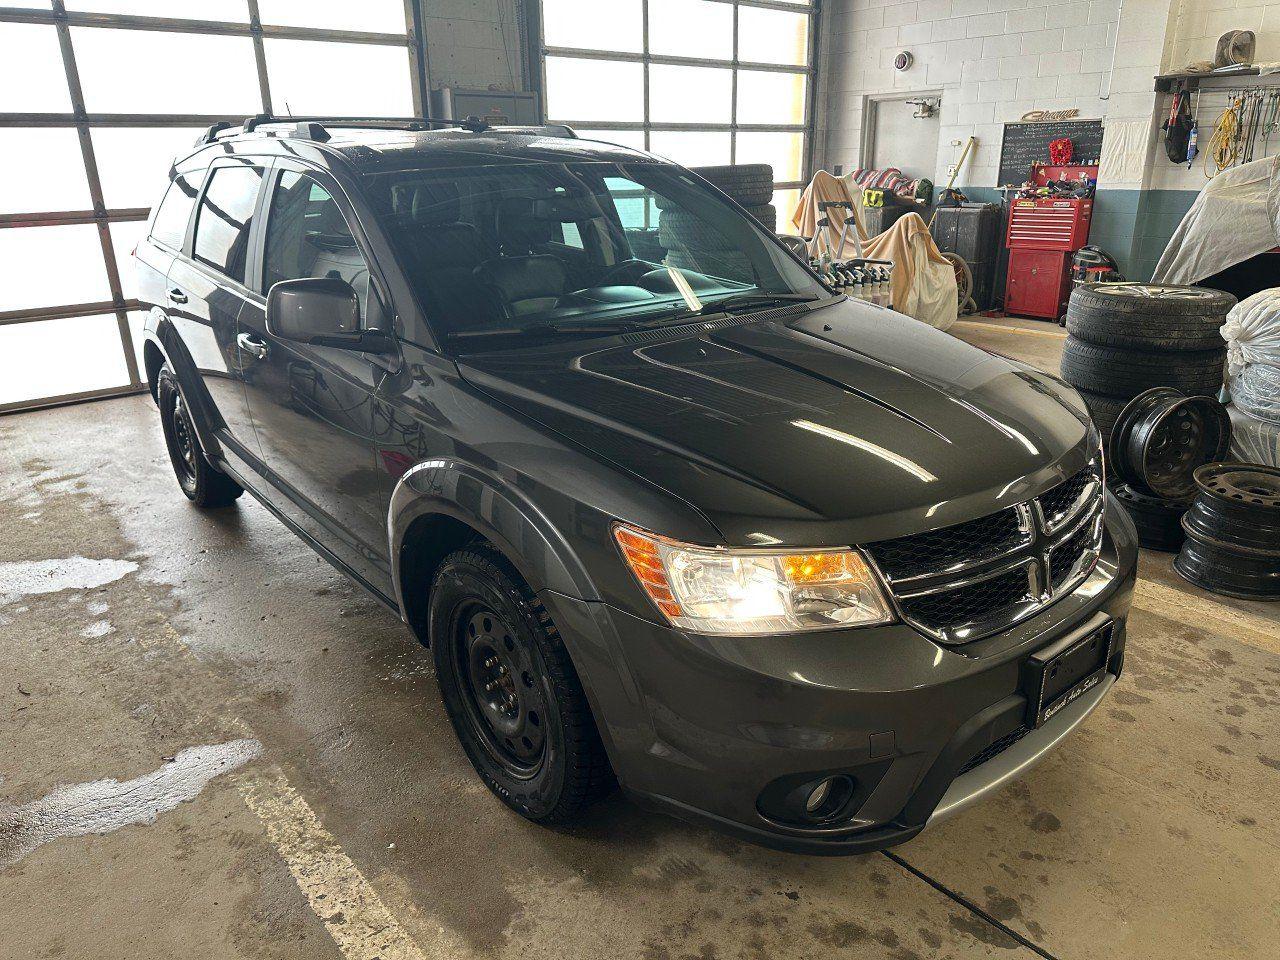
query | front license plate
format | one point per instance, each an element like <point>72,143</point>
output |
<point>1063,671</point>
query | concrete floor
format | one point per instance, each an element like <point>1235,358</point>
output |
<point>342,820</point>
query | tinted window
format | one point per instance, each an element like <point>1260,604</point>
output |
<point>307,236</point>
<point>510,254</point>
<point>222,226</point>
<point>170,224</point>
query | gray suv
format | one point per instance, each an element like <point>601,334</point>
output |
<point>670,513</point>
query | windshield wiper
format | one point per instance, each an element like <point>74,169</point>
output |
<point>725,304</point>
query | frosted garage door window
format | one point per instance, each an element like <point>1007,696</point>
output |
<point>592,25</point>
<point>230,11</point>
<point>594,89</point>
<point>41,170</point>
<point>689,94</point>
<point>31,76</point>
<point>786,202</point>
<point>772,36</point>
<point>771,98</point>
<point>374,16</point>
<point>625,138</point>
<point>783,151</point>
<point>51,266</point>
<point>691,148</point>
<point>89,352</point>
<point>133,162</point>
<point>691,28</point>
<point>139,71</point>
<point>339,79</point>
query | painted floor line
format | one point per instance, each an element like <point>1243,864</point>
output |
<point>351,910</point>
<point>1189,608</point>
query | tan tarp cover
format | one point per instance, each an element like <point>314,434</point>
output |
<point>826,188</point>
<point>924,282</point>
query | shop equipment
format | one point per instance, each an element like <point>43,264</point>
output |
<point>972,232</point>
<point>1043,234</point>
<point>1233,531</point>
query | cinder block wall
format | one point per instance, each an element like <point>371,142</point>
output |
<point>994,60</point>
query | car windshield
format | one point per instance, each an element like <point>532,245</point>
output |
<point>510,254</point>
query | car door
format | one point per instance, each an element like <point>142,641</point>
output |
<point>312,406</point>
<point>207,291</point>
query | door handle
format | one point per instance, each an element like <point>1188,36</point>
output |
<point>177,296</point>
<point>252,346</point>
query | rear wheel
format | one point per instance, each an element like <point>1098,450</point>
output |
<point>511,691</point>
<point>203,483</point>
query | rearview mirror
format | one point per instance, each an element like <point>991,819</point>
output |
<point>323,311</point>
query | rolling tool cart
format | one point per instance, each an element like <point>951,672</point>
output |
<point>1048,223</point>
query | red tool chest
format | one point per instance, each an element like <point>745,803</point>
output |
<point>1042,235</point>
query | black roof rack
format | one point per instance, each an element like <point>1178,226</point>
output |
<point>313,127</point>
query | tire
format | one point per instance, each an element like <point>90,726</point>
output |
<point>1159,522</point>
<point>767,214</point>
<point>1149,316</point>
<point>531,738</point>
<point>203,484</point>
<point>751,184</point>
<point>1123,373</point>
<point>1104,410</point>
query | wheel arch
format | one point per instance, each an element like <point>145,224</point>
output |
<point>440,505</point>
<point>163,344</point>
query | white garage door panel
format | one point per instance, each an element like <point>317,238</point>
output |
<point>53,358</point>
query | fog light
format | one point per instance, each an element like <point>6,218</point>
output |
<point>818,797</point>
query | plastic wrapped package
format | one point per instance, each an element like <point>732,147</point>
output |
<point>1252,332</point>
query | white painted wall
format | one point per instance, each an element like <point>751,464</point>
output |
<point>473,43</point>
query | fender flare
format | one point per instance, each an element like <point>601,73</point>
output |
<point>498,511</point>
<point>204,413</point>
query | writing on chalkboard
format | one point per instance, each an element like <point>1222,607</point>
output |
<point>1025,144</point>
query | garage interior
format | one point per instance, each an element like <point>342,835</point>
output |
<point>216,745</point>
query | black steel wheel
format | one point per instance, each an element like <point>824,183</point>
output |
<point>1158,521</point>
<point>202,483</point>
<point>511,691</point>
<point>1162,436</point>
<point>1233,531</point>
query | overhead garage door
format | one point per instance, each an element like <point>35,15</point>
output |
<point>96,98</point>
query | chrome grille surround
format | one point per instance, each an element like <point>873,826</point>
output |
<point>1059,547</point>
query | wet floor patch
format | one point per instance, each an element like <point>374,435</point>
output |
<point>31,577</point>
<point>106,805</point>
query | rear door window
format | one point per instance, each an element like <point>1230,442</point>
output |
<point>222,223</point>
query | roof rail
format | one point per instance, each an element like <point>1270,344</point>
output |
<point>307,126</point>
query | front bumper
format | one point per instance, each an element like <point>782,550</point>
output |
<point>700,726</point>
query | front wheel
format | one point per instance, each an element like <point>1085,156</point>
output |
<point>510,690</point>
<point>203,483</point>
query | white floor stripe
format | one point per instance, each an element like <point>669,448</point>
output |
<point>353,913</point>
<point>1175,604</point>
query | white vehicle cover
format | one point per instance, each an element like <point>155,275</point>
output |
<point>1236,216</point>
<point>1252,332</point>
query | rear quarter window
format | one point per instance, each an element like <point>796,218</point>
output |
<point>169,226</point>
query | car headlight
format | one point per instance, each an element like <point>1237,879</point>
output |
<point>749,591</point>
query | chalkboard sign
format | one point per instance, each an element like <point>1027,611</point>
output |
<point>1025,143</point>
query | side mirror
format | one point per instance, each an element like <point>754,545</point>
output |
<point>324,311</point>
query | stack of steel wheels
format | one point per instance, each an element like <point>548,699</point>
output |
<point>1159,439</point>
<point>1126,338</point>
<point>1233,531</point>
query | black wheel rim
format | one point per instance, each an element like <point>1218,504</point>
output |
<point>184,440</point>
<point>500,688</point>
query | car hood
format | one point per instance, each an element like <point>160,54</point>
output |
<point>846,423</point>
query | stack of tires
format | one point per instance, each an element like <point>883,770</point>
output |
<point>1126,338</point>
<point>691,244</point>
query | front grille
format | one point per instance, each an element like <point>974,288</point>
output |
<point>939,550</point>
<point>994,750</point>
<point>1064,558</point>
<point>969,580</point>
<point>1063,500</point>
<point>954,610</point>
